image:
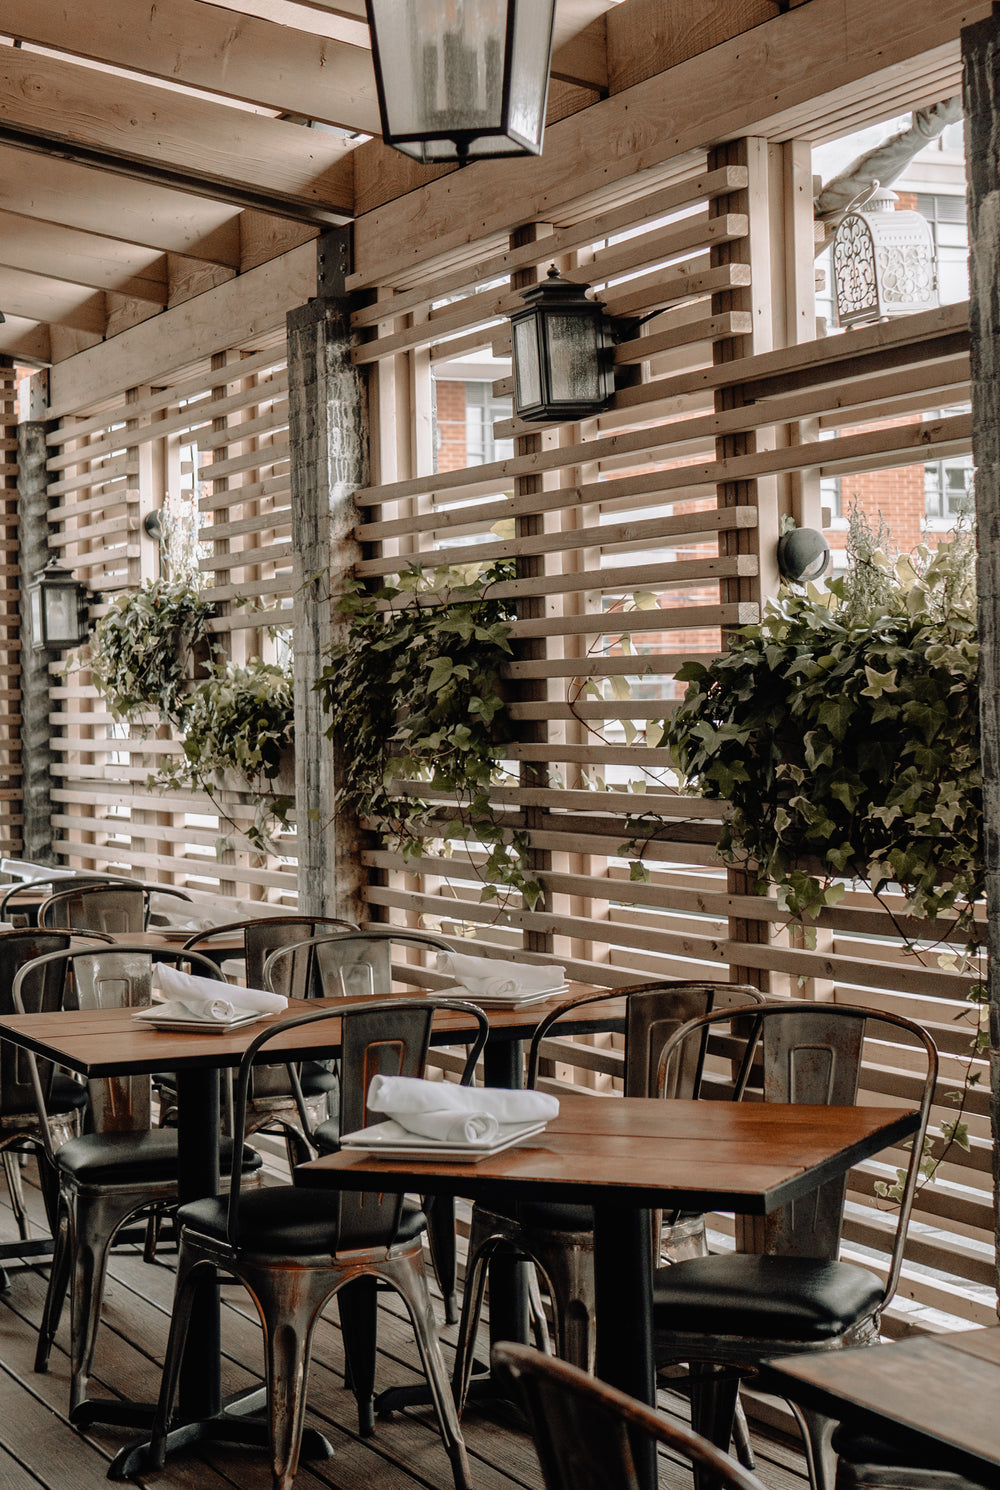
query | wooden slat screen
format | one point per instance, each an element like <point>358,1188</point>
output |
<point>639,538</point>
<point>11,776</point>
<point>217,437</point>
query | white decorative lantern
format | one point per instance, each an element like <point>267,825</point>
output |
<point>883,261</point>
<point>462,80</point>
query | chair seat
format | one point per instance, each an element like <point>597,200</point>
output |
<point>287,1219</point>
<point>781,1298</point>
<point>66,1095</point>
<point>316,1080</point>
<point>869,1463</point>
<point>130,1158</point>
<point>326,1136</point>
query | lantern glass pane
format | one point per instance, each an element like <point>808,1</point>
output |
<point>574,358</point>
<point>442,64</point>
<point>35,601</point>
<point>527,373</point>
<point>60,615</point>
<point>529,71</point>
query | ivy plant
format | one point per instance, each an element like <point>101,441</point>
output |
<point>239,720</point>
<point>139,653</point>
<point>414,691</point>
<point>843,732</point>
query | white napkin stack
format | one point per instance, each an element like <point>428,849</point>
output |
<point>191,997</point>
<point>448,1113</point>
<point>489,978</point>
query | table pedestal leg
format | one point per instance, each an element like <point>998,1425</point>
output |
<point>623,1277</point>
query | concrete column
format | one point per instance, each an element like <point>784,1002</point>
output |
<point>328,426</point>
<point>33,545</point>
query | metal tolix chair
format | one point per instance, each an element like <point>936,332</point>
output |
<point>119,909</point>
<point>121,1168</point>
<point>585,1432</point>
<point>559,1238</point>
<point>726,1313</point>
<point>363,962</point>
<point>293,1248</point>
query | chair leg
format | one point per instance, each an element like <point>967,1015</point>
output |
<point>440,1213</point>
<point>472,1308</point>
<point>12,1172</point>
<point>358,1305</point>
<point>406,1275</point>
<point>817,1435</point>
<point>713,1404</point>
<point>55,1295</point>
<point>568,1268</point>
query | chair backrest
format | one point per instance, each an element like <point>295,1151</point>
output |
<point>118,909</point>
<point>813,1053</point>
<point>653,1013</point>
<point>354,964</point>
<point>263,935</point>
<point>584,1431</point>
<point>388,1037</point>
<point>33,892</point>
<point>107,977</point>
<point>41,995</point>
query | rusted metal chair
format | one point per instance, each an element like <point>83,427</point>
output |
<point>867,1463</point>
<point>362,962</point>
<point>120,909</point>
<point>20,901</point>
<point>121,1168</point>
<point>65,1098</point>
<point>559,1238</point>
<point>585,1432</point>
<point>293,1248</point>
<point>287,1102</point>
<point>726,1313</point>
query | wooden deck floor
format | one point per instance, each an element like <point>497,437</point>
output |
<point>39,1448</point>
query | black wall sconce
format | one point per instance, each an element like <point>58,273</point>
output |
<point>803,555</point>
<point>464,81</point>
<point>58,606</point>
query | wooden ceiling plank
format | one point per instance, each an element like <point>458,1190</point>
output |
<point>209,47</point>
<point>82,258</point>
<point>57,191</point>
<point>27,341</point>
<point>230,154</point>
<point>36,298</point>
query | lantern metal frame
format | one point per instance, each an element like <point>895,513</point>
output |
<point>561,324</point>
<point>478,138</point>
<point>57,627</point>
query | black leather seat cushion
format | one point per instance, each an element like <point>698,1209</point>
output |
<point>869,1463</point>
<point>130,1158</point>
<point>317,1080</point>
<point>287,1219</point>
<point>66,1095</point>
<point>780,1298</point>
<point>326,1136</point>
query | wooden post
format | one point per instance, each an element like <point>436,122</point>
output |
<point>328,426</point>
<point>36,705</point>
<point>981,98</point>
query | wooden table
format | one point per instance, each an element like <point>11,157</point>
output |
<point>930,1392</point>
<point>109,1042</point>
<point>627,1156</point>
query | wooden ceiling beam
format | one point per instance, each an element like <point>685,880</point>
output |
<point>35,298</point>
<point>209,47</point>
<point>174,139</point>
<point>42,186</point>
<point>82,258</point>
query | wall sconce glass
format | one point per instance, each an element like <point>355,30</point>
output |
<point>561,344</point>
<point>883,260</point>
<point>803,555</point>
<point>462,80</point>
<point>58,609</point>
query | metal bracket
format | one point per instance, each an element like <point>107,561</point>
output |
<point>334,262</point>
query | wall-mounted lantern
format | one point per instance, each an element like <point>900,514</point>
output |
<point>462,80</point>
<point>803,555</point>
<point>883,260</point>
<point>562,343</point>
<point>58,609</point>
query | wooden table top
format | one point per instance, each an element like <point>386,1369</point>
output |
<point>749,1157</point>
<point>937,1390</point>
<point>108,1042</point>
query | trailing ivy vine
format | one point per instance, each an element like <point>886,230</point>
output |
<point>414,691</point>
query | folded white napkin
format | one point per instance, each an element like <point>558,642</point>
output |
<point>450,1113</point>
<point>489,977</point>
<point>210,999</point>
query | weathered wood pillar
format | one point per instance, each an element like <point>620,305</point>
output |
<point>981,100</point>
<point>36,705</point>
<point>328,427</point>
